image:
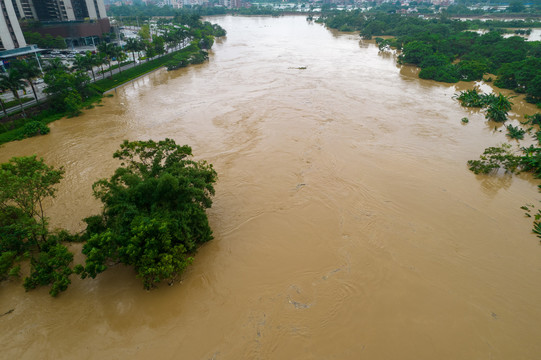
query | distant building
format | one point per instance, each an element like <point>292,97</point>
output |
<point>11,36</point>
<point>12,42</point>
<point>80,22</point>
<point>60,10</point>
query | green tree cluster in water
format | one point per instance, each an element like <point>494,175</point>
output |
<point>26,183</point>
<point>511,160</point>
<point>154,217</point>
<point>154,212</point>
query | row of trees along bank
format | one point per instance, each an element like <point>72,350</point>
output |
<point>181,41</point>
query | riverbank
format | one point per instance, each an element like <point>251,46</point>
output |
<point>133,73</point>
<point>47,115</point>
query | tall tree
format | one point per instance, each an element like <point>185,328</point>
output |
<point>154,212</point>
<point>132,45</point>
<point>91,62</point>
<point>107,50</point>
<point>27,181</point>
<point>118,53</point>
<point>13,81</point>
<point>56,64</point>
<point>29,71</point>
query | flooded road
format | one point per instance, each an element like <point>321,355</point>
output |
<point>346,223</point>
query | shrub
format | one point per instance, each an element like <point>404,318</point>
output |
<point>34,128</point>
<point>515,132</point>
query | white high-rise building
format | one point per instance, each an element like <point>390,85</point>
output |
<point>11,36</point>
<point>24,9</point>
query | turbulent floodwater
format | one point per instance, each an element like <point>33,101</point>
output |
<point>346,223</point>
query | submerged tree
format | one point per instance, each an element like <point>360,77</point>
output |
<point>154,212</point>
<point>26,183</point>
<point>12,80</point>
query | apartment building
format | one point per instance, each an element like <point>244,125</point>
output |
<point>59,10</point>
<point>24,9</point>
<point>11,36</point>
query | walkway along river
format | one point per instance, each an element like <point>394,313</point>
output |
<point>346,223</point>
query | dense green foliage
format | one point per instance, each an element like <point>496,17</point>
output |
<point>515,132</point>
<point>45,41</point>
<point>71,90</point>
<point>68,90</point>
<point>522,159</point>
<point>51,266</point>
<point>494,158</point>
<point>496,106</point>
<point>154,212</point>
<point>26,182</point>
<point>154,217</point>
<point>446,52</point>
<point>33,128</point>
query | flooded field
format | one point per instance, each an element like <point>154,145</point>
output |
<point>346,223</point>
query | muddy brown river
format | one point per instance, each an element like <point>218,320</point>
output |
<point>346,223</point>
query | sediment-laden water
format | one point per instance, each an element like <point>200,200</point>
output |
<point>346,223</point>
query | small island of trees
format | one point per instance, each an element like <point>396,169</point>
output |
<point>153,217</point>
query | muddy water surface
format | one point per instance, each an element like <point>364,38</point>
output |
<point>346,223</point>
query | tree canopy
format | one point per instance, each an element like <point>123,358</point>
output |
<point>154,217</point>
<point>26,183</point>
<point>446,51</point>
<point>154,212</point>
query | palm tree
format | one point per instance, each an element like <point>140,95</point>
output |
<point>99,60</point>
<point>118,53</point>
<point>13,81</point>
<point>29,70</point>
<point>133,46</point>
<point>56,64</point>
<point>79,63</point>
<point>90,60</point>
<point>150,50</point>
<point>84,63</point>
<point>105,51</point>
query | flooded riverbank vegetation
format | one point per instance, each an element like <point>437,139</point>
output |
<point>183,40</point>
<point>496,107</point>
<point>24,235</point>
<point>153,217</point>
<point>445,51</point>
<point>512,160</point>
<point>345,219</point>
